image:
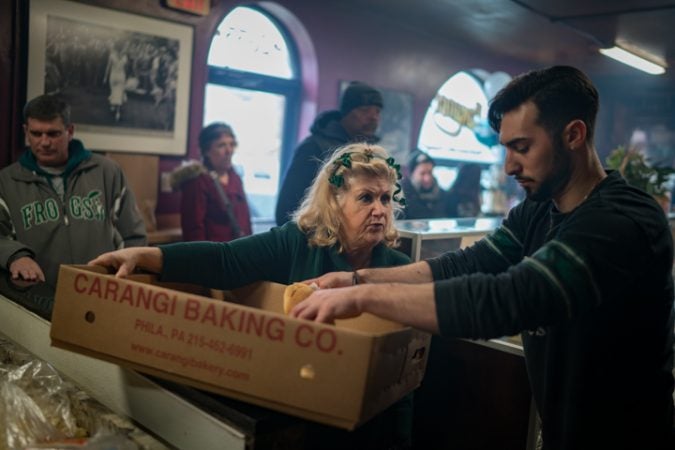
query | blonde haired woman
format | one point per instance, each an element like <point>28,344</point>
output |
<point>345,223</point>
<point>338,210</point>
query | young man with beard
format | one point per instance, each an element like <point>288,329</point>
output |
<point>582,268</point>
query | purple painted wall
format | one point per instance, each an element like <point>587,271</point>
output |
<point>352,45</point>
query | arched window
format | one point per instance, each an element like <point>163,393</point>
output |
<point>455,131</point>
<point>254,85</point>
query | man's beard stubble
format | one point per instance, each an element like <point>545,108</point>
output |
<point>558,178</point>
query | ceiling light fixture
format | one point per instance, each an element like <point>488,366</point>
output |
<point>632,59</point>
<point>623,51</point>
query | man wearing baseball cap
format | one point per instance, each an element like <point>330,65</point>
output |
<point>357,120</point>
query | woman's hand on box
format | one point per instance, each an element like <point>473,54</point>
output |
<point>127,260</point>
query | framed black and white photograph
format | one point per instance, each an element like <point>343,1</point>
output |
<point>126,76</point>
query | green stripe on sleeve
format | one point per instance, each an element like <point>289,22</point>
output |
<point>569,272</point>
<point>503,242</point>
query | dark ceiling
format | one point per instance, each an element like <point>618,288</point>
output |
<point>542,32</point>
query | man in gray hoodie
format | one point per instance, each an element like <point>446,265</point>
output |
<point>60,203</point>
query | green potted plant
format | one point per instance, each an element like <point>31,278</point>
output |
<point>637,172</point>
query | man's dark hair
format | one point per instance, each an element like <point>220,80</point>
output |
<point>47,107</point>
<point>561,94</point>
<point>211,133</point>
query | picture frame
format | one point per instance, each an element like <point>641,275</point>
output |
<point>395,121</point>
<point>125,76</point>
<point>197,7</point>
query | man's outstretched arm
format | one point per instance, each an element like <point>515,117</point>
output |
<point>409,304</point>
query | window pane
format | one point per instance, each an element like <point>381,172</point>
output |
<point>257,120</point>
<point>247,40</point>
<point>455,125</point>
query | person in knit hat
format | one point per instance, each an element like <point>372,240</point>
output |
<point>356,120</point>
<point>425,199</point>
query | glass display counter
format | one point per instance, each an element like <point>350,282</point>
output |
<point>422,239</point>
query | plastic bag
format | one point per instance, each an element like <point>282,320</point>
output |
<point>41,410</point>
<point>34,406</point>
<point>24,421</point>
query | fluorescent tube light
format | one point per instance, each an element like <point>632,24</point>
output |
<point>633,60</point>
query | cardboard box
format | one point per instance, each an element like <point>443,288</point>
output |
<point>340,375</point>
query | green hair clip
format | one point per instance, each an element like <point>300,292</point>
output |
<point>345,160</point>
